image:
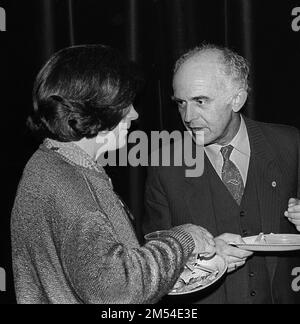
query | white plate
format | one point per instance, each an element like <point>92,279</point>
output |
<point>217,263</point>
<point>271,243</point>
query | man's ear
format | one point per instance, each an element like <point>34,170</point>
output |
<point>239,100</point>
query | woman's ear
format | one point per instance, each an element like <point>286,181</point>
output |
<point>239,100</point>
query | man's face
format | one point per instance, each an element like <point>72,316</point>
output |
<point>204,100</point>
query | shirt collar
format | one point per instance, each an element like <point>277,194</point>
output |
<point>240,142</point>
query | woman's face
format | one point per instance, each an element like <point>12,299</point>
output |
<point>116,138</point>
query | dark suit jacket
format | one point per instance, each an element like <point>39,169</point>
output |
<point>172,199</point>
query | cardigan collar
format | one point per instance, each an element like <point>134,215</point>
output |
<point>74,154</point>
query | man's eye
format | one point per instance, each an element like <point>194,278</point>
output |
<point>181,104</point>
<point>200,101</point>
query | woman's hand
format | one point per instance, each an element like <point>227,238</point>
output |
<point>204,241</point>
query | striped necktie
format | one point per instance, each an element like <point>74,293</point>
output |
<point>231,176</point>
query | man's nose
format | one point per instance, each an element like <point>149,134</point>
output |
<point>189,113</point>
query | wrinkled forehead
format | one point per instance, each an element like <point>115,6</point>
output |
<point>196,76</point>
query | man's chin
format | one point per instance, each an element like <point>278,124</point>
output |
<point>198,137</point>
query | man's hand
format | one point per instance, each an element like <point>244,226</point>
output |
<point>204,241</point>
<point>234,256</point>
<point>293,212</point>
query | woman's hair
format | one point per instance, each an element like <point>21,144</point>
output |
<point>81,91</point>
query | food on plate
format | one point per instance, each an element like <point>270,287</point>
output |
<point>193,276</point>
<point>261,238</point>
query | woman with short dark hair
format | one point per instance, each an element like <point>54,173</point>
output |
<point>76,96</point>
<point>72,238</point>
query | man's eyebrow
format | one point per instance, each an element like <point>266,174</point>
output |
<point>193,98</point>
<point>200,98</point>
<point>175,99</point>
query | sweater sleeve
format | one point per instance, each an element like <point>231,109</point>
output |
<point>102,270</point>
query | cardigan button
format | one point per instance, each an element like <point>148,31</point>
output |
<point>274,184</point>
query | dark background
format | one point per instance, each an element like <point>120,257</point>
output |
<point>152,33</point>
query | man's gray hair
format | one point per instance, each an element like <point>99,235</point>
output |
<point>235,66</point>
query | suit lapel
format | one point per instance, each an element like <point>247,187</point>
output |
<point>268,179</point>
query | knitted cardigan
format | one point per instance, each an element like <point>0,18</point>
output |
<point>72,241</point>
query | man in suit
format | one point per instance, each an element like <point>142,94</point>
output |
<point>250,183</point>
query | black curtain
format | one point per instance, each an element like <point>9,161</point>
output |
<point>153,33</point>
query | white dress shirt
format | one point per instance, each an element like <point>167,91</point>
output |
<point>240,155</point>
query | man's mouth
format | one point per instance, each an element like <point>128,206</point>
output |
<point>197,129</point>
